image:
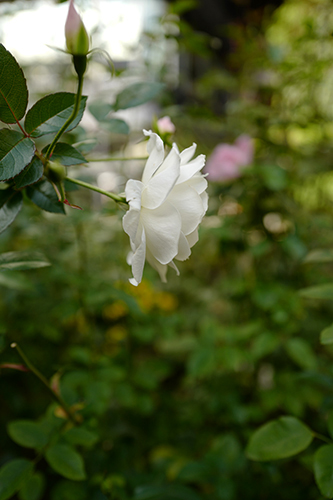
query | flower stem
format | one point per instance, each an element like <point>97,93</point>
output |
<point>113,158</point>
<point>70,119</point>
<point>41,377</point>
<point>113,196</point>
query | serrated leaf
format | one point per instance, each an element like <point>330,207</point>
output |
<point>12,476</point>
<point>81,436</point>
<point>66,461</point>
<point>301,353</point>
<point>50,113</point>
<point>10,205</point>
<point>16,152</point>
<point>100,110</point>
<point>13,88</point>
<point>319,256</point>
<point>27,433</point>
<point>19,261</point>
<point>66,154</point>
<point>326,336</point>
<point>137,94</point>
<point>31,174</point>
<point>44,196</point>
<point>116,126</point>
<point>280,438</point>
<point>32,488</point>
<point>318,292</point>
<point>323,469</point>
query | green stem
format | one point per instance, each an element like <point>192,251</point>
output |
<point>322,438</point>
<point>41,377</point>
<point>112,158</point>
<point>69,120</point>
<point>113,196</point>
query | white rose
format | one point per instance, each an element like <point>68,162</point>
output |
<point>166,208</point>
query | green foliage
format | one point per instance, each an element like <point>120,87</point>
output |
<point>16,152</point>
<point>280,438</point>
<point>137,94</point>
<point>10,205</point>
<point>44,196</point>
<point>50,113</point>
<point>66,154</point>
<point>12,476</point>
<point>66,461</point>
<point>27,433</point>
<point>13,89</point>
<point>323,469</point>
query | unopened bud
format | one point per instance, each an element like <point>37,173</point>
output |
<point>165,126</point>
<point>77,40</point>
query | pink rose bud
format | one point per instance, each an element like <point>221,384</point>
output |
<point>77,40</point>
<point>165,125</point>
<point>226,160</point>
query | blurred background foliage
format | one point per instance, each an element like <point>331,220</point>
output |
<point>172,380</point>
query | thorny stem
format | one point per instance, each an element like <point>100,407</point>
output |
<point>69,120</point>
<point>113,196</point>
<point>41,377</point>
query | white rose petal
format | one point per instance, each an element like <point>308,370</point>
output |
<point>165,208</point>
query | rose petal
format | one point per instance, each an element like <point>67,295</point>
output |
<point>184,250</point>
<point>160,268</point>
<point>192,238</point>
<point>131,221</point>
<point>189,204</point>
<point>155,148</point>
<point>138,260</point>
<point>190,169</point>
<point>162,226</point>
<point>133,190</point>
<point>160,185</point>
<point>187,154</point>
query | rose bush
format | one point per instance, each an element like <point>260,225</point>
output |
<point>166,208</point>
<point>227,160</point>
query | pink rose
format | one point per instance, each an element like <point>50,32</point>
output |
<point>165,125</point>
<point>226,160</point>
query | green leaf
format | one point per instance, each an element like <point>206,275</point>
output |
<point>301,353</point>
<point>66,461</point>
<point>100,110</point>
<point>116,126</point>
<point>32,488</point>
<point>31,174</point>
<point>12,476</point>
<point>318,292</point>
<point>81,436</point>
<point>66,154</point>
<point>137,94</point>
<point>10,205</point>
<point>326,336</point>
<point>16,152</point>
<point>20,261</point>
<point>280,438</point>
<point>44,196</point>
<point>323,469</point>
<point>13,88</point>
<point>85,146</point>
<point>15,282</point>
<point>50,113</point>
<point>320,256</point>
<point>27,433</point>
